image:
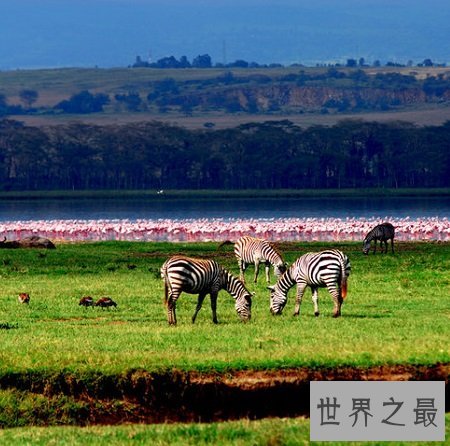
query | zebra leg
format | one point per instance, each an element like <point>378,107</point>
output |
<point>201,298</point>
<point>298,300</point>
<point>214,306</point>
<point>375,246</point>
<point>242,267</point>
<point>171,306</point>
<point>315,299</point>
<point>335,292</point>
<point>392,245</point>
<point>256,270</point>
<point>268,272</point>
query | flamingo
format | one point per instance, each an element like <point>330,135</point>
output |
<point>294,229</point>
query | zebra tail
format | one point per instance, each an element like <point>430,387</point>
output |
<point>344,286</point>
<point>226,242</point>
<point>166,292</point>
<point>343,280</point>
<point>166,283</point>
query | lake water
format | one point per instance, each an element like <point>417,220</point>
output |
<point>259,208</point>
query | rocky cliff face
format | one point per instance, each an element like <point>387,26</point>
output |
<point>316,97</point>
<point>310,98</point>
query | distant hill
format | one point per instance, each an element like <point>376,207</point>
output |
<point>214,96</point>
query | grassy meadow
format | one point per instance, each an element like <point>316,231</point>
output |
<point>269,432</point>
<point>397,312</point>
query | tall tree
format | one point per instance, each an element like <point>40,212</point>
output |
<point>28,97</point>
<point>84,102</point>
<point>202,61</point>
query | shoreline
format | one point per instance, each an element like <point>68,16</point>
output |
<point>222,194</point>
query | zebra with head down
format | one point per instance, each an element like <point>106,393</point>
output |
<point>329,269</point>
<point>382,232</point>
<point>202,277</point>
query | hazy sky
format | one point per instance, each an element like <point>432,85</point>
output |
<point>108,33</point>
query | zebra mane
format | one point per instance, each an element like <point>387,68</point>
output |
<point>233,285</point>
<point>286,280</point>
<point>275,249</point>
<point>369,235</point>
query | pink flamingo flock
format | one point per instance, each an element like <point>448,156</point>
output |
<point>179,230</point>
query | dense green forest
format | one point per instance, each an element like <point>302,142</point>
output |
<point>267,155</point>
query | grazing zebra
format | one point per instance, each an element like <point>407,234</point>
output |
<point>255,250</point>
<point>383,233</point>
<point>317,270</point>
<point>202,277</point>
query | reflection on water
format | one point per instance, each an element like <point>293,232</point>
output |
<point>134,209</point>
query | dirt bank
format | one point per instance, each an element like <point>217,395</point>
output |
<point>140,396</point>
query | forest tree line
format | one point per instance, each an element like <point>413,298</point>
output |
<point>205,61</point>
<point>350,154</point>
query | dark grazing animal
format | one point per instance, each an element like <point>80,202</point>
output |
<point>382,232</point>
<point>202,277</point>
<point>24,298</point>
<point>33,241</point>
<point>105,302</point>
<point>329,269</point>
<point>87,301</point>
<point>254,250</point>
<point>9,244</point>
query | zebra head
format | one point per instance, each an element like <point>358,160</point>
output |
<point>280,268</point>
<point>366,246</point>
<point>243,306</point>
<point>277,300</point>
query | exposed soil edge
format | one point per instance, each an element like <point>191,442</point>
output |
<point>139,396</point>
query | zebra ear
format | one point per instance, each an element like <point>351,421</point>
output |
<point>271,288</point>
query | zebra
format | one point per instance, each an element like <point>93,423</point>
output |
<point>382,232</point>
<point>255,250</point>
<point>329,268</point>
<point>202,277</point>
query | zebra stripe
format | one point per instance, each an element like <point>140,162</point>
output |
<point>202,277</point>
<point>254,250</point>
<point>382,232</point>
<point>328,269</point>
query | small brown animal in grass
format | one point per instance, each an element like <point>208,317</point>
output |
<point>105,302</point>
<point>87,301</point>
<point>24,298</point>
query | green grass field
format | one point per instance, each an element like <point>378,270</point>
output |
<point>397,313</point>
<point>269,432</point>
